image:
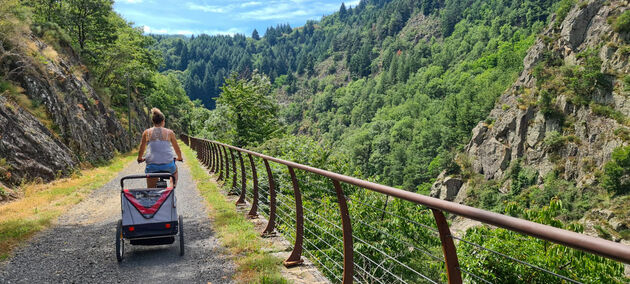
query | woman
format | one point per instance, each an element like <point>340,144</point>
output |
<point>160,156</point>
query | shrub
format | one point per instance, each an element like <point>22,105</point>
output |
<point>609,112</point>
<point>584,80</point>
<point>622,23</point>
<point>617,171</point>
<point>564,7</point>
<point>521,177</point>
<point>554,140</point>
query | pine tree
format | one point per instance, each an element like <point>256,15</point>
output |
<point>342,11</point>
<point>255,35</point>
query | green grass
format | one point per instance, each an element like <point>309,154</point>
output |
<point>41,204</point>
<point>236,233</point>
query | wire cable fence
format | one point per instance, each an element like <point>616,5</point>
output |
<point>358,231</point>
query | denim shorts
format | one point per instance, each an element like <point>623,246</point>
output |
<point>156,168</point>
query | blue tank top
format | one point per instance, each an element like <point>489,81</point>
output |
<point>160,150</point>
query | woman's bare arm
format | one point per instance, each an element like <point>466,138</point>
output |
<point>176,146</point>
<point>143,147</point>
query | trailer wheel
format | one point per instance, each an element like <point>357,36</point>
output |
<point>120,243</point>
<point>181,236</point>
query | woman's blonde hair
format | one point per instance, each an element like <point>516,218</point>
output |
<point>157,116</point>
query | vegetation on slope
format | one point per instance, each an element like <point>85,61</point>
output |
<point>396,85</point>
<point>116,54</point>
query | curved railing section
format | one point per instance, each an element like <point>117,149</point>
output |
<point>358,265</point>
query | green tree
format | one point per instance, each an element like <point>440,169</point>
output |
<point>251,108</point>
<point>562,260</point>
<point>88,22</point>
<point>617,170</point>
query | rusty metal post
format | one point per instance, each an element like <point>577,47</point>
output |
<point>210,160</point>
<point>296,255</point>
<point>213,152</point>
<point>348,252</point>
<point>241,199</point>
<point>220,162</point>
<point>201,153</point>
<point>217,157</point>
<point>233,192</point>
<point>196,148</point>
<point>227,164</point>
<point>448,248</point>
<point>206,148</point>
<point>271,225</point>
<point>253,212</point>
<point>204,154</point>
<point>213,157</point>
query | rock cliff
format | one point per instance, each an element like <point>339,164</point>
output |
<point>571,135</point>
<point>53,120</point>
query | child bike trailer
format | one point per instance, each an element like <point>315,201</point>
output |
<point>149,215</point>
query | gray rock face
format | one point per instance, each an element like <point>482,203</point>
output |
<point>450,188</point>
<point>577,23</point>
<point>519,132</point>
<point>29,148</point>
<point>446,188</point>
<point>85,129</point>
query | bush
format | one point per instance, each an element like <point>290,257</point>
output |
<point>617,170</point>
<point>622,23</point>
<point>564,7</point>
<point>584,80</point>
<point>521,177</point>
<point>609,112</point>
<point>554,140</point>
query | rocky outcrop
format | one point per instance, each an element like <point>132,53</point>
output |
<point>517,129</point>
<point>81,127</point>
<point>29,148</point>
<point>446,188</point>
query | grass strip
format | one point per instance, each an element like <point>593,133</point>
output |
<point>235,232</point>
<point>41,204</point>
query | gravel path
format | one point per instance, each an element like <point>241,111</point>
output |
<point>80,247</point>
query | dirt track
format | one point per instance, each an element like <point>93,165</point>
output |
<point>79,248</point>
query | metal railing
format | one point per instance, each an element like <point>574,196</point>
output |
<point>275,204</point>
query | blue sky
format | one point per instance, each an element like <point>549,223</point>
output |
<point>222,16</point>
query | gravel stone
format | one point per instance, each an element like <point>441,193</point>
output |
<point>80,247</point>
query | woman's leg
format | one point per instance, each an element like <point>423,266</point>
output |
<point>174,183</point>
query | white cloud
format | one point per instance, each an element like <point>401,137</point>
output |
<point>149,30</point>
<point>250,4</point>
<point>143,17</point>
<point>183,32</point>
<point>275,12</point>
<point>206,8</point>
<point>130,1</point>
<point>352,3</point>
<point>230,32</point>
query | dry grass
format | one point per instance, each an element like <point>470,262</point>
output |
<point>235,232</point>
<point>41,204</point>
<point>38,110</point>
<point>51,54</point>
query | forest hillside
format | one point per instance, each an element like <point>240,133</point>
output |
<point>422,95</point>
